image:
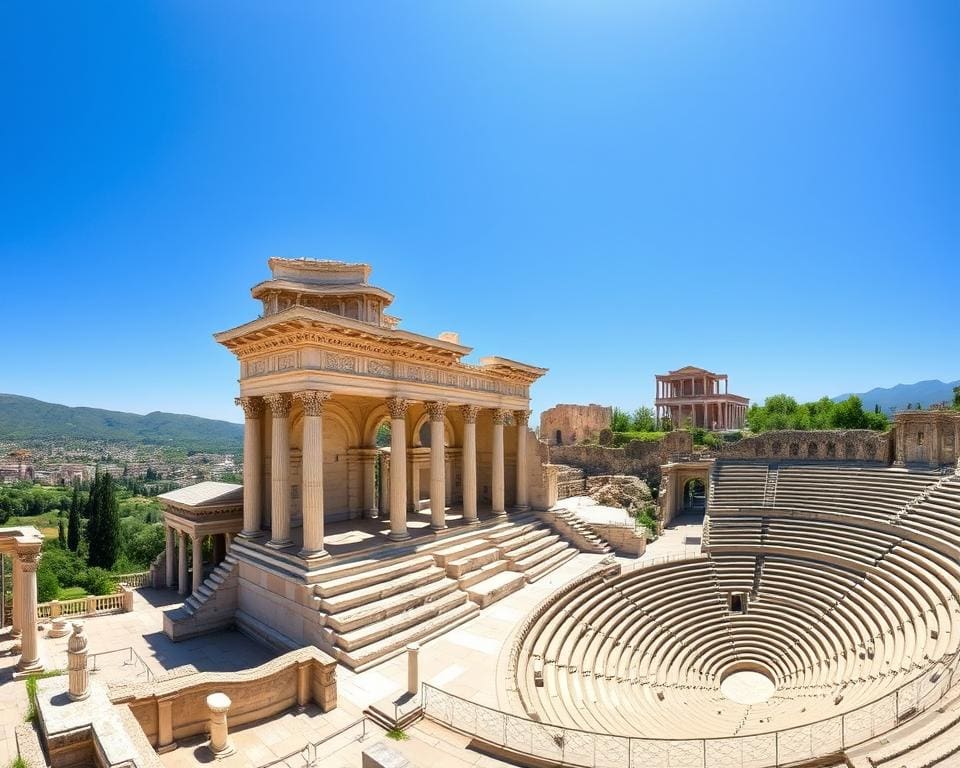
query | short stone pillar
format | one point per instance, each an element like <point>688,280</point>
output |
<point>413,669</point>
<point>55,609</point>
<point>219,704</point>
<point>79,684</point>
<point>59,628</point>
<point>127,598</point>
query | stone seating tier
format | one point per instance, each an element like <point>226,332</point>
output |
<point>839,609</point>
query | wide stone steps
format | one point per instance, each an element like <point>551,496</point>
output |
<point>368,655</point>
<point>378,630</point>
<point>485,572</point>
<point>529,545</point>
<point>551,563</point>
<point>461,566</point>
<point>346,600</point>
<point>459,551</point>
<point>379,610</point>
<point>496,587</point>
<point>376,575</point>
<point>538,555</point>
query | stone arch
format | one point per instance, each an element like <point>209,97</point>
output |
<point>371,424</point>
<point>448,431</point>
<point>794,449</point>
<point>813,450</point>
<point>693,494</point>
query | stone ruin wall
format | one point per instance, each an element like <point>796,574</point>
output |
<point>576,423</point>
<point>640,459</point>
<point>813,445</point>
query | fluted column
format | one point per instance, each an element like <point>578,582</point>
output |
<point>252,464</point>
<point>521,419</point>
<point>182,555</point>
<point>197,561</point>
<point>438,480</point>
<point>171,554</point>
<point>470,462</point>
<point>29,557</point>
<point>15,573</point>
<point>398,467</point>
<point>280,471</point>
<point>500,417</point>
<point>312,472</point>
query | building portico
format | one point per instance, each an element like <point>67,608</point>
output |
<point>323,369</point>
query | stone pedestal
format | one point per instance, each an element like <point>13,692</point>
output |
<point>59,628</point>
<point>220,744</point>
<point>413,668</point>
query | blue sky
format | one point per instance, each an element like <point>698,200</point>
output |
<point>610,190</point>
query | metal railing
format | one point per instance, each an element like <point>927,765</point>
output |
<point>134,661</point>
<point>576,747</point>
<point>306,756</point>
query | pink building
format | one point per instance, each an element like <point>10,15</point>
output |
<point>695,396</point>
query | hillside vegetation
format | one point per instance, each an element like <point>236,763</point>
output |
<point>23,418</point>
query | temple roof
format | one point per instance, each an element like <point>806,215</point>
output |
<point>205,494</point>
<point>693,370</point>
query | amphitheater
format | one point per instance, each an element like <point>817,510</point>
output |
<point>800,607</point>
<point>821,613</point>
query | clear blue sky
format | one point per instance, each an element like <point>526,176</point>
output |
<point>610,190</point>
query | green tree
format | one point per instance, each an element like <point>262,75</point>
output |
<point>104,539</point>
<point>73,522</point>
<point>643,420</point>
<point>956,397</point>
<point>61,533</point>
<point>620,421</point>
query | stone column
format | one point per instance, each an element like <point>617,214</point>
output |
<point>312,469</point>
<point>15,587</point>
<point>500,417</point>
<point>29,556</point>
<point>470,463</point>
<point>182,570</point>
<point>280,471</point>
<point>219,704</point>
<point>521,419</point>
<point>398,467</point>
<point>171,554</point>
<point>252,464</point>
<point>370,508</point>
<point>197,562</point>
<point>413,668</point>
<point>438,480</point>
<point>79,677</point>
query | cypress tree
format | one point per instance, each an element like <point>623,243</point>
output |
<point>73,523</point>
<point>108,531</point>
<point>61,534</point>
<point>93,521</point>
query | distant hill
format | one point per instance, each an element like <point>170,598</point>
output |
<point>925,392</point>
<point>23,418</point>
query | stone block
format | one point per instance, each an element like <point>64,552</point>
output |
<point>382,755</point>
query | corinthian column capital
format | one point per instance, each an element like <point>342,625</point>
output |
<point>501,416</point>
<point>29,560</point>
<point>279,404</point>
<point>252,406</point>
<point>397,407</point>
<point>470,413</point>
<point>521,418</point>
<point>312,401</point>
<point>436,409</point>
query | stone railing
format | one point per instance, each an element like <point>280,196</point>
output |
<point>175,707</point>
<point>91,605</point>
<point>133,580</point>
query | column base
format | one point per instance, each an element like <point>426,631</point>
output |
<point>313,554</point>
<point>438,527</point>
<point>279,544</point>
<point>26,670</point>
<point>228,750</point>
<point>250,535</point>
<point>524,508</point>
<point>499,512</point>
<point>372,514</point>
<point>398,535</point>
<point>471,520</point>
<point>162,750</point>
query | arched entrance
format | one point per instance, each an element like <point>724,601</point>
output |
<point>694,495</point>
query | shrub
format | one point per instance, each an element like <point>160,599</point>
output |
<point>97,581</point>
<point>622,438</point>
<point>48,588</point>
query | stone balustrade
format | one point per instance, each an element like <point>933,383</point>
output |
<point>91,605</point>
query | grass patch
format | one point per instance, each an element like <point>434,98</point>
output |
<point>19,762</point>
<point>71,593</point>
<point>397,734</point>
<point>622,438</point>
<point>32,692</point>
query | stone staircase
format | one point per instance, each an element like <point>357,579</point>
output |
<point>568,524</point>
<point>371,609</point>
<point>210,608</point>
<point>770,489</point>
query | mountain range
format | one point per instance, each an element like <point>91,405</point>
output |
<point>23,418</point>
<point>924,392</point>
